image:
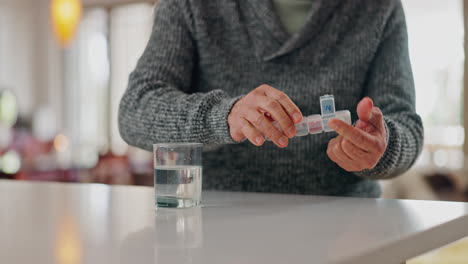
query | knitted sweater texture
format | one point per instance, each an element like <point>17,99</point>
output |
<point>204,55</point>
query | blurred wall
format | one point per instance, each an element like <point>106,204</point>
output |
<point>30,60</point>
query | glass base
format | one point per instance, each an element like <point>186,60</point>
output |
<point>176,202</point>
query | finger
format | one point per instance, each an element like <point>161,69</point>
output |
<point>339,153</point>
<point>357,136</point>
<point>332,145</point>
<point>279,115</point>
<point>368,113</point>
<point>237,134</point>
<point>262,124</point>
<point>343,160</point>
<point>269,116</point>
<point>364,109</point>
<point>251,133</point>
<point>289,106</point>
<point>330,152</point>
<point>365,159</point>
<point>367,127</point>
<point>376,119</point>
<point>355,152</point>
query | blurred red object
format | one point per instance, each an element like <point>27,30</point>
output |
<point>111,169</point>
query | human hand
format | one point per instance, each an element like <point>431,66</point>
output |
<point>360,147</point>
<point>251,117</point>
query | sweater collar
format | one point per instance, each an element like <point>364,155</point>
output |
<point>266,12</point>
<point>283,42</point>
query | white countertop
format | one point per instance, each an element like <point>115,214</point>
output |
<point>45,223</point>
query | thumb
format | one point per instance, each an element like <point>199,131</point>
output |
<point>364,109</point>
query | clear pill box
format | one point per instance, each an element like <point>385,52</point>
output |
<point>316,124</point>
<point>343,115</point>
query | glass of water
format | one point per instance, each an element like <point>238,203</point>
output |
<point>177,174</point>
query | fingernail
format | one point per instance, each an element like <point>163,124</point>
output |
<point>259,140</point>
<point>296,117</point>
<point>332,125</point>
<point>283,141</point>
<point>291,130</point>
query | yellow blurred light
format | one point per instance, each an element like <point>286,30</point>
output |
<point>66,16</point>
<point>60,143</point>
<point>68,245</point>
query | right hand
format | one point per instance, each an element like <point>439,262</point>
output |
<point>251,117</point>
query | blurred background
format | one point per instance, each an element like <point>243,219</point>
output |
<point>64,65</point>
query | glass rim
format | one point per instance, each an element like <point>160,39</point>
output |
<point>188,144</point>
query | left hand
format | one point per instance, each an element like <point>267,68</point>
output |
<point>360,147</point>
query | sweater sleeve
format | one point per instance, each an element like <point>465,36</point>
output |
<point>159,104</point>
<point>390,84</point>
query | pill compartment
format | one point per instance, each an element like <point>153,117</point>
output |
<point>302,128</point>
<point>327,104</point>
<point>315,124</point>
<point>343,115</point>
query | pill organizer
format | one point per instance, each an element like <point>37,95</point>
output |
<point>316,124</point>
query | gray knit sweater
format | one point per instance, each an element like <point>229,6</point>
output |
<point>204,54</point>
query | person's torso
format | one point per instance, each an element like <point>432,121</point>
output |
<point>239,48</point>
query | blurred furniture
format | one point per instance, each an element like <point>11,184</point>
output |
<point>93,223</point>
<point>445,185</point>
